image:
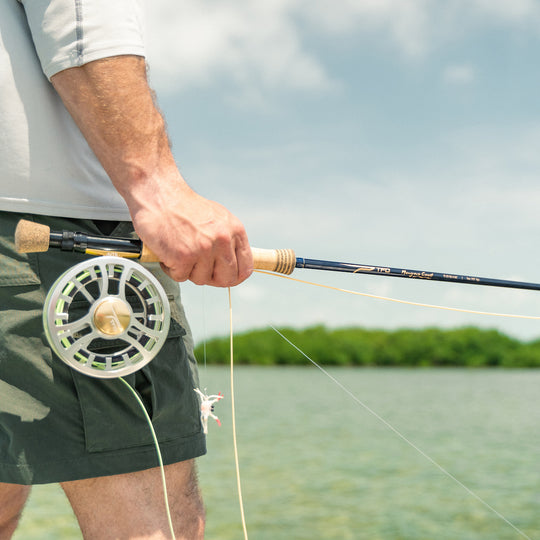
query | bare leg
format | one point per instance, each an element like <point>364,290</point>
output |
<point>12,500</point>
<point>132,505</point>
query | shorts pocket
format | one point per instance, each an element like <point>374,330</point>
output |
<point>112,418</point>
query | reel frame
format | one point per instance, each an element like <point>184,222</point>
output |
<point>106,317</point>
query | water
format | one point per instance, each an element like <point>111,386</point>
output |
<point>316,465</point>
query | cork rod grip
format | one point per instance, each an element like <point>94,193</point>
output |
<point>147,255</point>
<point>31,237</point>
<point>282,261</point>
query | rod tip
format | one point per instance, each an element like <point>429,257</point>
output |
<point>31,237</point>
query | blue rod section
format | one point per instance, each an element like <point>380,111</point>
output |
<point>334,266</point>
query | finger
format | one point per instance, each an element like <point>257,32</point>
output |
<point>244,258</point>
<point>224,270</point>
<point>174,273</point>
<point>202,273</point>
<point>233,270</point>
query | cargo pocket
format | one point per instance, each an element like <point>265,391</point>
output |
<point>113,420</point>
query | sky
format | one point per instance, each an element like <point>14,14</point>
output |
<point>399,133</point>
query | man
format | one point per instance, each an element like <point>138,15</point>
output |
<point>83,146</point>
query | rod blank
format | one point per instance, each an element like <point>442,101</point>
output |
<point>334,266</point>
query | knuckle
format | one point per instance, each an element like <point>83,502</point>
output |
<point>222,239</point>
<point>176,275</point>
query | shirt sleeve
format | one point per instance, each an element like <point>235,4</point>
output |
<point>71,33</point>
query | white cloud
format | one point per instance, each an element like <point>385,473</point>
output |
<point>256,47</point>
<point>406,24</point>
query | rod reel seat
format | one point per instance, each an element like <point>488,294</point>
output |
<point>106,317</point>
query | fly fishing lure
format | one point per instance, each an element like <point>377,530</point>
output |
<point>207,408</point>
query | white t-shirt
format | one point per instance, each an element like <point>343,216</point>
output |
<point>46,166</point>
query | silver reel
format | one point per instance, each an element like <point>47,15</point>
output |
<point>106,317</point>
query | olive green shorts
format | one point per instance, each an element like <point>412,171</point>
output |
<point>57,424</point>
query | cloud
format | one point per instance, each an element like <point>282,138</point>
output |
<point>253,45</point>
<point>405,24</point>
<point>260,47</point>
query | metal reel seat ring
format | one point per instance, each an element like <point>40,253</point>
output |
<point>106,317</point>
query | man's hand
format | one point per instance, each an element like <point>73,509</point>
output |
<point>202,241</point>
<point>195,238</point>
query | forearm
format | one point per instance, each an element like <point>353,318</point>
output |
<point>113,106</point>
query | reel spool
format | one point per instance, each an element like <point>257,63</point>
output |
<point>106,317</point>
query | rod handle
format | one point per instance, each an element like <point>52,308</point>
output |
<point>282,261</point>
<point>33,237</point>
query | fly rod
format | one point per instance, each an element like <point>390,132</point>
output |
<point>32,237</point>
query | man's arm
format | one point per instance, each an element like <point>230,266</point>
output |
<point>195,238</point>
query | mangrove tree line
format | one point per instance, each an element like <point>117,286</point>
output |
<point>465,347</point>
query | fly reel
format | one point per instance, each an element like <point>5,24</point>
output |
<point>106,317</point>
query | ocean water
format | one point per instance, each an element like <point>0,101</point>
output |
<point>317,464</point>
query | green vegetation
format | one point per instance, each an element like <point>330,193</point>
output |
<point>463,347</point>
